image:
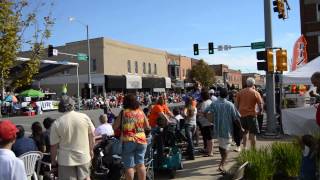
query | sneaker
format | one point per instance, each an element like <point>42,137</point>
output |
<point>237,149</point>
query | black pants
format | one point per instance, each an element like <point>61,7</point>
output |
<point>237,134</point>
<point>260,121</point>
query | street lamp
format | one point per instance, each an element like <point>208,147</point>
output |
<point>89,58</point>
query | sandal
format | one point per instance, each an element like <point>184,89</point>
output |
<point>222,170</point>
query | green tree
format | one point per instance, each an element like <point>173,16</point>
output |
<point>203,73</point>
<point>19,19</point>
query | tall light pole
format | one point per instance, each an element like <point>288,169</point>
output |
<point>271,121</point>
<point>89,57</point>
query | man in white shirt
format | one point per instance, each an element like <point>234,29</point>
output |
<point>72,142</point>
<point>11,167</point>
<point>105,127</point>
<point>213,97</point>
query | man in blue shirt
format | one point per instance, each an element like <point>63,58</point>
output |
<point>23,144</point>
<point>224,114</point>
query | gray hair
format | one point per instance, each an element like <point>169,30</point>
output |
<point>66,104</point>
<point>315,76</point>
<point>250,82</point>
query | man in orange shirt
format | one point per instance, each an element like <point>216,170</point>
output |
<point>246,102</point>
<point>158,110</point>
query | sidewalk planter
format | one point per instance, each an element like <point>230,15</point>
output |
<point>278,161</point>
<point>286,158</point>
<point>260,164</point>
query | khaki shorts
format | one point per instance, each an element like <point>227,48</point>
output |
<point>224,143</point>
<point>74,172</point>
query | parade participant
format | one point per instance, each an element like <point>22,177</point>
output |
<point>133,122</point>
<point>11,167</point>
<point>224,114</point>
<point>246,102</point>
<point>72,141</point>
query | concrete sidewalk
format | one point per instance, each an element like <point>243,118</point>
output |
<point>206,167</point>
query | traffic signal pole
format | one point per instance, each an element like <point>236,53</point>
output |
<point>270,92</point>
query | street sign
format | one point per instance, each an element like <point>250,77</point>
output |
<point>220,48</point>
<point>82,57</point>
<point>258,45</point>
<point>226,47</point>
<point>55,52</point>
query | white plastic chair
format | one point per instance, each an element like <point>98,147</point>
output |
<point>30,159</point>
<point>41,162</point>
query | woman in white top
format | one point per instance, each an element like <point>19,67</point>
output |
<point>105,127</point>
<point>206,127</point>
<point>190,123</point>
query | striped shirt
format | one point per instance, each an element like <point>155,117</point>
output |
<point>224,113</point>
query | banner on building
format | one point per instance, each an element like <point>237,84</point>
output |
<point>299,57</point>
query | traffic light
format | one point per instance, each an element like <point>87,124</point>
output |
<point>210,48</point>
<point>280,8</point>
<point>267,64</point>
<point>281,56</point>
<point>196,49</point>
<point>50,51</point>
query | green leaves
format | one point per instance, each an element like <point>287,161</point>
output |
<point>203,73</point>
<point>280,157</point>
<point>16,18</point>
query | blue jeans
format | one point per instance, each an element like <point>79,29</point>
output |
<point>189,130</point>
<point>133,154</point>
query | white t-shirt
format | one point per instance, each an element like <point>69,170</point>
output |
<point>214,98</point>
<point>71,132</point>
<point>203,120</point>
<point>104,129</point>
<point>11,167</point>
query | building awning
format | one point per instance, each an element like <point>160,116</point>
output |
<point>115,82</point>
<point>153,82</point>
<point>133,82</point>
<point>159,90</point>
<point>168,82</point>
<point>178,84</point>
<point>47,68</point>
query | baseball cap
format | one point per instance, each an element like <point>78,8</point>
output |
<point>211,91</point>
<point>8,130</point>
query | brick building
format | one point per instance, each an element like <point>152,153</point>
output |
<point>223,73</point>
<point>310,26</point>
<point>260,79</point>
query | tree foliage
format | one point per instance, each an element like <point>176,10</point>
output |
<point>203,73</point>
<point>22,25</point>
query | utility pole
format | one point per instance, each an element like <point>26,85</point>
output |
<point>270,92</point>
<point>89,63</point>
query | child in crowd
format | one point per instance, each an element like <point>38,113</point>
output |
<point>11,166</point>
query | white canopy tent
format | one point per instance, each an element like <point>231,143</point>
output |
<point>303,74</point>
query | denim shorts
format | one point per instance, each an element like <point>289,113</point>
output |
<point>133,154</point>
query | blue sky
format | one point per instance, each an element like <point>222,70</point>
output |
<point>174,25</point>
